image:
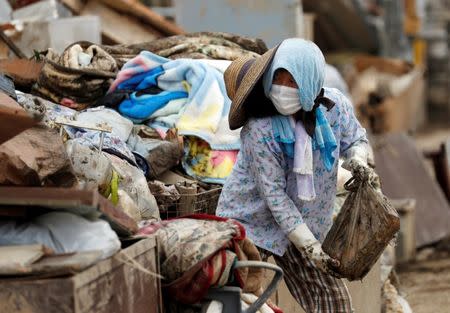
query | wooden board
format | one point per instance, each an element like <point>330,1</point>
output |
<point>118,27</point>
<point>15,259</point>
<point>81,202</point>
<point>140,11</point>
<point>57,265</point>
<point>125,22</point>
<point>404,175</point>
<point>13,118</point>
<point>24,72</point>
<point>109,286</point>
<point>38,260</point>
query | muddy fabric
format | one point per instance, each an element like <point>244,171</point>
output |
<point>200,45</point>
<point>36,157</point>
<point>84,87</point>
<point>63,77</point>
<point>198,252</point>
<point>164,195</point>
<point>161,155</point>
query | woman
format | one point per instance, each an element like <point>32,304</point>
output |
<point>283,185</point>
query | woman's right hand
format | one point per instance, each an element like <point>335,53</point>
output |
<point>303,239</point>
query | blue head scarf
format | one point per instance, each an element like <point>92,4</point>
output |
<point>306,63</point>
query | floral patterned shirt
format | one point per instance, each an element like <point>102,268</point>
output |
<point>261,192</point>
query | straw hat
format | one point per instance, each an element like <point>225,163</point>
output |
<point>241,78</point>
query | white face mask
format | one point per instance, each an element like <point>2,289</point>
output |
<point>285,99</point>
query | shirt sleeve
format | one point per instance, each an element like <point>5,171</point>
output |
<point>266,166</point>
<point>352,133</point>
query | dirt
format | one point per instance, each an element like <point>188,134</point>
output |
<point>426,284</point>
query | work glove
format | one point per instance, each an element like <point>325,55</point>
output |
<point>303,239</point>
<point>357,164</point>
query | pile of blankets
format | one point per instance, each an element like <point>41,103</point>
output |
<point>185,94</point>
<point>174,82</point>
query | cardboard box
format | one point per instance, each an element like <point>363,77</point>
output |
<point>117,284</point>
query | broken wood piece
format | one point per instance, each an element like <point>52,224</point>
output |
<point>35,260</point>
<point>13,118</point>
<point>80,202</point>
<point>24,72</point>
<point>17,259</point>
<point>103,127</point>
<point>142,12</point>
<point>64,264</point>
<point>12,45</point>
<point>128,28</point>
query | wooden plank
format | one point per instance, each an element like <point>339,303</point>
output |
<point>11,45</point>
<point>81,202</point>
<point>24,72</point>
<point>404,175</point>
<point>142,12</point>
<point>17,259</point>
<point>13,118</point>
<point>58,265</point>
<point>40,264</point>
<point>117,28</point>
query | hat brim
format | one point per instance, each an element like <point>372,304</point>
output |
<point>238,116</point>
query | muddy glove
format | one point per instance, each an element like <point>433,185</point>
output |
<point>357,163</point>
<point>303,239</point>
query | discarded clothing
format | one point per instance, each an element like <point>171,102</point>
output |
<point>200,45</point>
<point>160,155</point>
<point>205,164</point>
<point>121,127</point>
<point>92,167</point>
<point>164,195</point>
<point>206,111</point>
<point>140,106</point>
<point>64,78</point>
<point>198,252</point>
<point>62,232</point>
<point>52,110</point>
<point>114,142</point>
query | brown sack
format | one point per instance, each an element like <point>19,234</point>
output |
<point>362,230</point>
<point>36,157</point>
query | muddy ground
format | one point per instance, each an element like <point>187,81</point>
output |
<point>425,283</point>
